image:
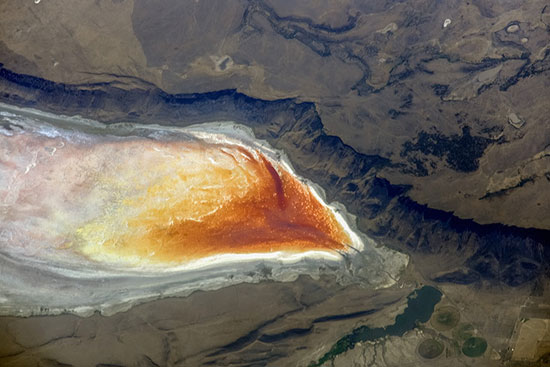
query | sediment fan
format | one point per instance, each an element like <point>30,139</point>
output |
<point>97,217</point>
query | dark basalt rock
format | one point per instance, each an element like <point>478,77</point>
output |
<point>461,152</point>
<point>506,254</point>
<point>527,70</point>
<point>440,90</point>
<point>460,276</point>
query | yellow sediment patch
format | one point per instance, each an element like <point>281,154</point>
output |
<point>213,199</point>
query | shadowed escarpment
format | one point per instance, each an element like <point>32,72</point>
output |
<point>495,252</point>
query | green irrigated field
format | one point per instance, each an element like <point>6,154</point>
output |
<point>430,348</point>
<point>474,347</point>
<point>445,318</point>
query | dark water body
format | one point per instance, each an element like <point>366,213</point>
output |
<point>420,306</point>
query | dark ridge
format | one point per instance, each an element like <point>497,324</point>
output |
<point>249,360</point>
<point>249,338</point>
<point>28,81</point>
<point>183,99</point>
<point>501,250</point>
<point>535,68</point>
<point>501,253</point>
<point>243,341</point>
<point>461,225</point>
<point>291,27</point>
<point>317,37</point>
<point>351,21</point>
<point>527,70</point>
<point>360,164</point>
<point>484,64</point>
<point>399,76</point>
<point>346,316</point>
<point>45,85</point>
<point>484,88</point>
<point>461,276</point>
<point>290,333</point>
<point>503,192</point>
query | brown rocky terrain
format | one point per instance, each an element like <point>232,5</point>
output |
<point>435,136</point>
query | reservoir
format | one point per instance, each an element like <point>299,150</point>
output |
<point>420,306</point>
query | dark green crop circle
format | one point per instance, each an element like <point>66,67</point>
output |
<point>474,347</point>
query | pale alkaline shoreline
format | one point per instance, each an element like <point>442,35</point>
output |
<point>365,262</point>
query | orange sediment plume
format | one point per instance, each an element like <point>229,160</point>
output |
<point>224,199</point>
